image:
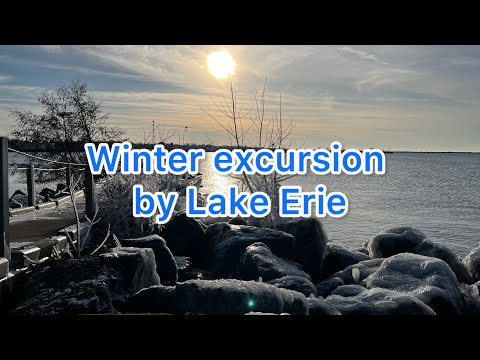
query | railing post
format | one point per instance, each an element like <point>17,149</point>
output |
<point>89,193</point>
<point>68,176</point>
<point>4,207</point>
<point>31,186</point>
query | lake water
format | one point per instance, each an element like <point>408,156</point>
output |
<point>437,193</point>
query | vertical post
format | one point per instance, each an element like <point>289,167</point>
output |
<point>89,193</point>
<point>4,208</point>
<point>31,186</point>
<point>68,177</point>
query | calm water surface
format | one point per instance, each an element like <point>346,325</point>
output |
<point>437,193</point>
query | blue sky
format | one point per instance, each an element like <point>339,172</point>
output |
<point>399,97</point>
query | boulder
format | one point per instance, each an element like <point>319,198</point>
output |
<point>326,287</point>
<point>357,273</point>
<point>297,283</point>
<point>472,262</point>
<point>227,243</point>
<point>310,244</point>
<point>379,301</point>
<point>439,251</point>
<point>338,258</point>
<point>237,221</point>
<point>93,284</point>
<point>429,279</point>
<point>259,261</point>
<point>318,307</point>
<point>166,265</point>
<point>394,241</point>
<point>348,290</point>
<point>363,250</point>
<point>185,236</point>
<point>471,298</point>
<point>217,297</point>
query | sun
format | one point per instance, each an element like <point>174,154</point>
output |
<point>221,64</point>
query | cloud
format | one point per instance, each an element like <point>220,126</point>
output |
<point>359,53</point>
<point>5,78</point>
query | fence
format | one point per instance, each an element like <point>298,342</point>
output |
<point>5,251</point>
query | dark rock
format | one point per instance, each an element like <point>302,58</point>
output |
<point>46,191</point>
<point>184,268</point>
<point>259,261</point>
<point>60,188</point>
<point>217,297</point>
<point>338,258</point>
<point>229,242</point>
<point>89,285</point>
<point>394,241</point>
<point>318,307</point>
<point>297,283</point>
<point>326,287</point>
<point>310,244</point>
<point>472,262</point>
<point>439,251</point>
<point>348,290</point>
<point>14,204</point>
<point>379,302</point>
<point>185,236</point>
<point>363,250</point>
<point>237,221</point>
<point>429,279</point>
<point>357,273</point>
<point>471,298</point>
<point>166,265</point>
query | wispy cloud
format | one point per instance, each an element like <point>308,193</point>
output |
<point>359,53</point>
<point>5,78</point>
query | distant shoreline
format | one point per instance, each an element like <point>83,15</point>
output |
<point>78,147</point>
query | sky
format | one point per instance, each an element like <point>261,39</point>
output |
<point>416,98</point>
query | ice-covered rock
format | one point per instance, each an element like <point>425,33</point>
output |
<point>338,258</point>
<point>363,250</point>
<point>357,273</point>
<point>185,237</point>
<point>471,298</point>
<point>228,243</point>
<point>439,251</point>
<point>166,265</point>
<point>237,221</point>
<point>348,290</point>
<point>89,285</point>
<point>394,241</point>
<point>429,279</point>
<point>326,287</point>
<point>379,301</point>
<point>259,261</point>
<point>295,282</point>
<point>217,297</point>
<point>310,244</point>
<point>472,262</point>
<point>318,307</point>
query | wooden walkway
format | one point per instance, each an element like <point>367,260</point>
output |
<point>42,224</point>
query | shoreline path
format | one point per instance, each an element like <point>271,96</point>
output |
<point>41,224</point>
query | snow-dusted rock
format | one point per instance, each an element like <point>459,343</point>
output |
<point>472,262</point>
<point>259,261</point>
<point>310,244</point>
<point>227,244</point>
<point>339,257</point>
<point>357,273</point>
<point>217,297</point>
<point>327,286</point>
<point>348,290</point>
<point>394,241</point>
<point>429,279</point>
<point>166,265</point>
<point>297,283</point>
<point>379,301</point>
<point>318,307</point>
<point>89,285</point>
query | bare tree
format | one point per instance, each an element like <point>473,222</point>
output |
<point>71,116</point>
<point>264,130</point>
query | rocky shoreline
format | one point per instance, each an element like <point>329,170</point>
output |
<point>235,269</point>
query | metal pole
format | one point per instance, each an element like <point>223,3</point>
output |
<point>89,193</point>
<point>4,208</point>
<point>68,176</point>
<point>31,186</point>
